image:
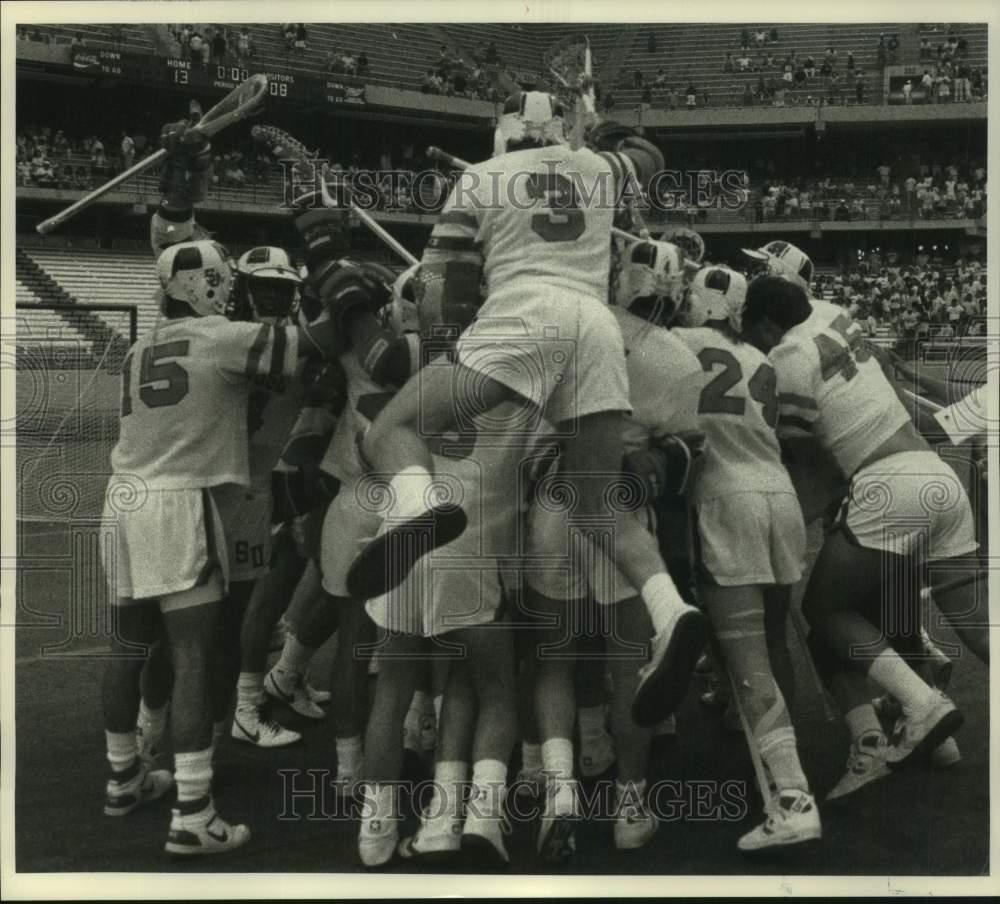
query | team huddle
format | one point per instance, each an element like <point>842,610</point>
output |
<point>552,420</point>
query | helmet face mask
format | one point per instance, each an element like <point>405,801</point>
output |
<point>715,294</point>
<point>651,280</point>
<point>783,259</point>
<point>272,284</point>
<point>201,274</point>
<point>529,118</point>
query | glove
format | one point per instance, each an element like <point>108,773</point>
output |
<point>389,359</point>
<point>349,291</point>
<point>325,232</point>
<point>187,170</point>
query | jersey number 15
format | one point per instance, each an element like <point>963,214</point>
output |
<point>161,382</point>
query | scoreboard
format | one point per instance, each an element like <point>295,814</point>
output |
<point>297,86</point>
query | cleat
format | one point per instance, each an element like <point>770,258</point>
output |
<point>289,688</point>
<point>634,826</point>
<point>144,786</point>
<point>793,819</point>
<point>482,837</point>
<point>316,695</point>
<point>665,679</point>
<point>597,756</point>
<point>924,730</point>
<point>203,832</point>
<point>946,754</point>
<point>377,840</point>
<point>438,839</point>
<point>386,561</point>
<point>557,826</point>
<point>254,725</point>
<point>866,763</point>
<point>667,728</point>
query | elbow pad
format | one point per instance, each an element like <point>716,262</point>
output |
<point>391,360</point>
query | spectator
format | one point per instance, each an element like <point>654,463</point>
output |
<point>859,89</point>
<point>661,79</point>
<point>301,37</point>
<point>963,84</point>
<point>892,46</point>
<point>850,61</point>
<point>672,99</point>
<point>609,102</point>
<point>943,88</point>
<point>747,95</point>
<point>244,44</point>
<point>492,56</point>
<point>128,151</point>
<point>646,99</point>
<point>842,212</point>
<point>334,64</point>
<point>774,34</point>
<point>728,64</point>
<point>809,66</point>
<point>219,45</point>
<point>745,39</point>
<point>927,83</point>
<point>908,91</point>
<point>704,97</point>
<point>692,97</point>
<point>925,48</point>
<point>362,66</point>
<point>289,31</point>
<point>744,61</point>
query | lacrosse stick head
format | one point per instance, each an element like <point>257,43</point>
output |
<point>571,64</point>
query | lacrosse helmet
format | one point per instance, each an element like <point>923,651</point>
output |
<point>784,259</point>
<point>715,293</point>
<point>650,281</point>
<point>403,310</point>
<point>271,283</point>
<point>201,274</point>
<point>529,117</point>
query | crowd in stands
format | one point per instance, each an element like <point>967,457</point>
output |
<point>912,303</point>
<point>452,76</point>
<point>202,43</point>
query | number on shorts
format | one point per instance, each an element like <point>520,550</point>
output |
<point>247,553</point>
<point>763,386</point>
<point>564,221</point>
<point>171,376</point>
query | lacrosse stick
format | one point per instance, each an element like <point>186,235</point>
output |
<point>435,153</point>
<point>571,62</point>
<point>240,103</point>
<point>280,144</point>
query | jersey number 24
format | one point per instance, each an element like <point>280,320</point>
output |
<point>715,397</point>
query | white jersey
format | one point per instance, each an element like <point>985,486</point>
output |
<point>738,413</point>
<point>274,408</point>
<point>540,217</point>
<point>185,387</point>
<point>831,388</point>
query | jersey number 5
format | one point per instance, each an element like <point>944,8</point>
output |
<point>715,398</point>
<point>564,220</point>
<point>171,378</point>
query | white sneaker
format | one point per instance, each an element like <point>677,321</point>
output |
<point>203,832</point>
<point>946,754</point>
<point>666,728</point>
<point>866,763</point>
<point>143,786</point>
<point>289,688</point>
<point>597,755</point>
<point>438,838</point>
<point>924,729</point>
<point>557,826</point>
<point>253,725</point>
<point>664,681</point>
<point>483,836</point>
<point>793,819</point>
<point>377,839</point>
<point>634,825</point>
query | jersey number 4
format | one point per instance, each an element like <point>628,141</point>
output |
<point>715,398</point>
<point>161,382</point>
<point>835,358</point>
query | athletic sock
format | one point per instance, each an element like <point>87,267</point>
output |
<point>489,783</point>
<point>861,720</point>
<point>410,492</point>
<point>193,774</point>
<point>891,672</point>
<point>557,758</point>
<point>780,754</point>
<point>123,750</point>
<point>450,777</point>
<point>662,601</point>
<point>379,801</point>
<point>249,690</point>
<point>350,756</point>
<point>295,656</point>
<point>152,723</point>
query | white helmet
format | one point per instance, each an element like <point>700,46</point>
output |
<point>534,116</point>
<point>403,312</point>
<point>785,260</point>
<point>652,271</point>
<point>716,293</point>
<point>272,283</point>
<point>199,273</point>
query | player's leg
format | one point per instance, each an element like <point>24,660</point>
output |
<point>156,683</point>
<point>349,683</point>
<point>777,603</point>
<point>226,663</point>
<point>400,659</point>
<point>965,605</point>
<point>597,749</point>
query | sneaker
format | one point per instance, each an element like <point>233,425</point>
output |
<point>924,729</point>
<point>557,826</point>
<point>254,725</point>
<point>597,755</point>
<point>289,688</point>
<point>665,679</point>
<point>316,695</point>
<point>634,826</point>
<point>666,728</point>
<point>377,840</point>
<point>136,786</point>
<point>946,754</point>
<point>387,560</point>
<point>793,819</point>
<point>482,836</point>
<point>196,829</point>
<point>438,838</point>
<point>866,763</point>
<point>148,751</point>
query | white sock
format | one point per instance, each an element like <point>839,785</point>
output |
<point>249,690</point>
<point>410,490</point>
<point>891,672</point>
<point>531,756</point>
<point>489,785</point>
<point>123,749</point>
<point>662,600</point>
<point>153,723</point>
<point>557,758</point>
<point>379,801</point>
<point>780,754</point>
<point>591,722</point>
<point>295,656</point>
<point>449,779</point>
<point>350,756</point>
<point>862,719</point>
<point>193,774</point>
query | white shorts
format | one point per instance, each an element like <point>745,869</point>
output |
<point>166,548</point>
<point>246,518</point>
<point>751,538</point>
<point>552,572</point>
<point>895,501</point>
<point>562,351</point>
